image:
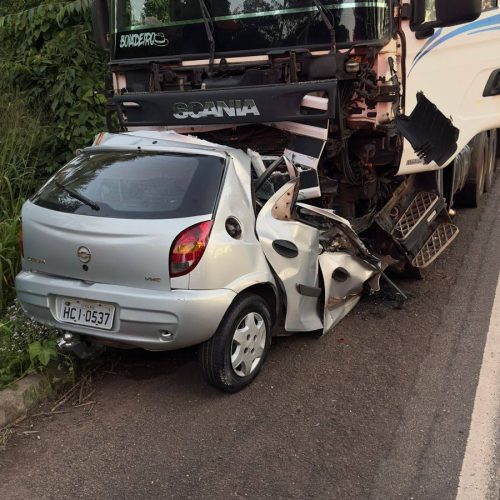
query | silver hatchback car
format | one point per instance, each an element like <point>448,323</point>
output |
<point>160,241</point>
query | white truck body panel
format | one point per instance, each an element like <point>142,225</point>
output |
<point>452,68</point>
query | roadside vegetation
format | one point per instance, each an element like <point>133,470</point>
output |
<point>51,73</point>
<point>20,145</point>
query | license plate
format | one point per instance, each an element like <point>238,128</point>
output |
<point>86,313</point>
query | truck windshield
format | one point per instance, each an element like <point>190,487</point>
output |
<point>167,28</point>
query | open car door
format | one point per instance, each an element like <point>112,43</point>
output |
<point>292,249</point>
<point>320,286</point>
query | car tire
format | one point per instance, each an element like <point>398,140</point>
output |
<point>233,357</point>
<point>470,195</point>
<point>492,160</point>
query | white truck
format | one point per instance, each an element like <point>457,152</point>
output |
<point>389,108</point>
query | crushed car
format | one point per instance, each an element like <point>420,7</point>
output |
<point>163,241</point>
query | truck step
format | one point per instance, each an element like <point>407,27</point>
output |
<point>440,239</point>
<point>417,211</point>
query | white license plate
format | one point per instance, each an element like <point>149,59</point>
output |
<point>86,313</point>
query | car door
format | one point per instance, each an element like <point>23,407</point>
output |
<point>344,272</point>
<point>292,249</point>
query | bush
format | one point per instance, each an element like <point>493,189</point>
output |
<point>49,54</point>
<point>27,347</point>
<point>50,71</point>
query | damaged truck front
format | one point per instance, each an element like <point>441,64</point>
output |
<point>371,100</point>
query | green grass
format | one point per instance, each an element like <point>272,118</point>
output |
<point>21,137</point>
<point>25,346</point>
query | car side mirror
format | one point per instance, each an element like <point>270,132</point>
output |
<point>428,14</point>
<point>100,23</point>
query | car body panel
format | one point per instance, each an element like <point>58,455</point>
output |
<point>228,262</point>
<point>302,311</point>
<point>342,295</point>
<point>142,316</point>
<point>469,52</point>
<point>122,251</point>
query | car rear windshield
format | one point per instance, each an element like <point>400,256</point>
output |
<point>135,185</point>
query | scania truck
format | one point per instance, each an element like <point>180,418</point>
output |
<point>389,108</point>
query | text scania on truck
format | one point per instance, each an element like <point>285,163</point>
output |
<point>358,126</point>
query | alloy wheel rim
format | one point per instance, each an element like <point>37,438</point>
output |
<point>248,344</point>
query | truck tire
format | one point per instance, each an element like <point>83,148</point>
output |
<point>233,357</point>
<point>492,161</point>
<point>471,194</point>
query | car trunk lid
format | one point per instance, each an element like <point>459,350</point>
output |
<point>114,251</point>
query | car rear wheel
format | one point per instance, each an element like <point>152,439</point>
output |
<point>492,160</point>
<point>233,357</point>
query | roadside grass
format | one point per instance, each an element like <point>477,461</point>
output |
<point>20,141</point>
<point>25,346</point>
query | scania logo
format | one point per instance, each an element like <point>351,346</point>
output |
<point>216,109</point>
<point>84,255</point>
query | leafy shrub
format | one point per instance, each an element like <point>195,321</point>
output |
<point>50,70</point>
<point>48,52</point>
<point>26,347</point>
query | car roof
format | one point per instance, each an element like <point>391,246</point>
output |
<point>157,140</point>
<point>171,141</point>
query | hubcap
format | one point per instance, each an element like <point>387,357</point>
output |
<point>249,341</point>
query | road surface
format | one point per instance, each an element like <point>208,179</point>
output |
<point>393,404</point>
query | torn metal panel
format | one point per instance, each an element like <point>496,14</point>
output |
<point>304,149</point>
<point>283,206</point>
<point>346,228</point>
<point>257,162</point>
<point>309,184</point>
<point>344,276</point>
<point>431,134</point>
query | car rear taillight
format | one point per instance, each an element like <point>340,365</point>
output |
<point>188,248</point>
<point>20,241</point>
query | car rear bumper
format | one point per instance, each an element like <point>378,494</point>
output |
<point>152,320</point>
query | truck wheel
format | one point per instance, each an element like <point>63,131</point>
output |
<point>474,187</point>
<point>233,357</point>
<point>492,161</point>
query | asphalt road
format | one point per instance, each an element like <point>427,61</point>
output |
<point>379,408</point>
